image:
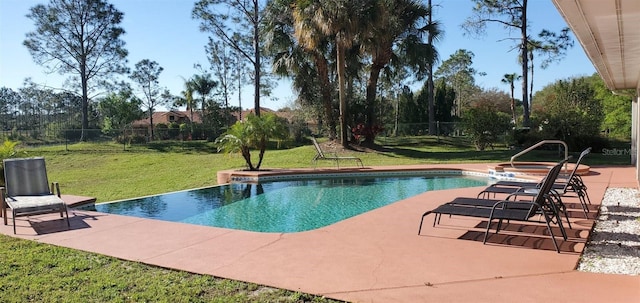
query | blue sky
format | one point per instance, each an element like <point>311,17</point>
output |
<point>163,31</point>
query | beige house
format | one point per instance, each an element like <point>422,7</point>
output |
<point>609,33</point>
<point>168,118</point>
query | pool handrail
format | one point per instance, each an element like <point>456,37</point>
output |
<point>543,142</point>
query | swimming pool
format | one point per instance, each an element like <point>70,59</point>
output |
<point>284,206</point>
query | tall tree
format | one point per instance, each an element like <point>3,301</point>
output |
<point>203,85</point>
<point>551,46</point>
<point>445,97</point>
<point>300,49</point>
<point>457,71</point>
<point>146,75</point>
<point>512,15</point>
<point>402,30</point>
<point>342,20</point>
<point>433,35</point>
<point>186,99</point>
<point>237,23</point>
<point>223,65</point>
<point>78,37</point>
<point>511,79</point>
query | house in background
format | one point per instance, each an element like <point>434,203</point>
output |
<point>179,117</point>
<point>168,118</point>
<point>609,33</point>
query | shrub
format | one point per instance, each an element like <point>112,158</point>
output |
<point>484,125</point>
<point>568,110</point>
<point>361,132</point>
<point>7,150</point>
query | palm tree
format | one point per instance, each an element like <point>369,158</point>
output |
<point>301,49</point>
<point>203,85</point>
<point>510,79</point>
<point>187,100</point>
<point>342,20</point>
<point>253,133</point>
<point>398,25</point>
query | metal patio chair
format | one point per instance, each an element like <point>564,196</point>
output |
<point>321,155</point>
<point>27,191</point>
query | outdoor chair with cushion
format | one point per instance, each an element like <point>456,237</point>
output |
<point>27,190</point>
<point>542,204</point>
<point>321,155</point>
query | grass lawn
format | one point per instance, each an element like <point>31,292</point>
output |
<point>31,271</point>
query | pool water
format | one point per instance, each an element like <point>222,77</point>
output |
<point>283,206</point>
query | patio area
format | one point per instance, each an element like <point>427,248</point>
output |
<point>374,257</point>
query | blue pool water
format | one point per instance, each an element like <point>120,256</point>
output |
<point>283,206</point>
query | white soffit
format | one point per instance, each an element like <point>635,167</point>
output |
<point>609,32</point>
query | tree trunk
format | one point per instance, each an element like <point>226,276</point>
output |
<point>256,47</point>
<point>340,52</point>
<point>325,90</point>
<point>85,102</point>
<point>525,66</point>
<point>531,86</point>
<point>513,104</point>
<point>430,96</point>
<point>151,124</point>
<point>372,86</point>
<point>263,148</point>
<point>246,154</point>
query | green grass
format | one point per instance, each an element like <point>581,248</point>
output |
<point>31,271</point>
<point>35,272</point>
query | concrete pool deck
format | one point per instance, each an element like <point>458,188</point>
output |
<point>372,257</point>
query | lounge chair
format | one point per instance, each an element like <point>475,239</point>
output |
<point>321,155</point>
<point>571,183</point>
<point>542,204</point>
<point>27,191</point>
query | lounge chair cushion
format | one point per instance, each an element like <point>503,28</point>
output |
<point>31,204</point>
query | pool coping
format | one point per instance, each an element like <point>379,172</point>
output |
<point>373,257</point>
<point>229,176</point>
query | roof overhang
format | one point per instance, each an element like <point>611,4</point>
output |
<point>609,32</point>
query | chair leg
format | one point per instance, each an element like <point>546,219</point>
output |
<point>4,213</point>
<point>14,221</point>
<point>583,203</point>
<point>422,220</point>
<point>553,238</point>
<point>66,212</point>
<point>486,233</point>
<point>420,227</point>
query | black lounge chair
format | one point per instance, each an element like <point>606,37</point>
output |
<point>543,204</point>
<point>321,155</point>
<point>571,183</point>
